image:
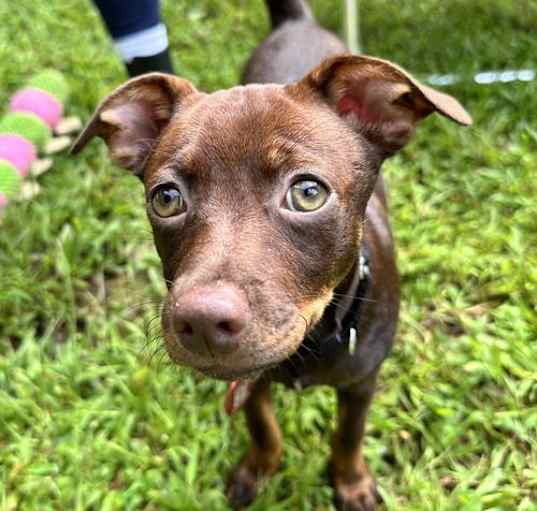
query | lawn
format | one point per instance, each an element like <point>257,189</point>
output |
<point>92,414</point>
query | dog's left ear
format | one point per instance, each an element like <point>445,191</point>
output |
<point>131,119</point>
<point>378,98</point>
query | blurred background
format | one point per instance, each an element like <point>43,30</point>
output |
<point>92,414</point>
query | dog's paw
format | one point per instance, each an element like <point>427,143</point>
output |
<point>241,487</point>
<point>357,496</point>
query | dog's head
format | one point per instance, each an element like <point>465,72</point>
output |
<point>257,195</point>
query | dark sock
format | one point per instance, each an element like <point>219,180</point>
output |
<point>160,62</point>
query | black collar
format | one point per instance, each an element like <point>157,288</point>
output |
<point>342,317</point>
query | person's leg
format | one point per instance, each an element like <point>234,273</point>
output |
<point>139,36</point>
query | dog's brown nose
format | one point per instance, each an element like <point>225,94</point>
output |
<point>208,320</point>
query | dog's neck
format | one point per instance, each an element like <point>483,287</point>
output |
<point>334,331</point>
<point>343,314</point>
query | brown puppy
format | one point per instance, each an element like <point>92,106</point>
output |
<point>270,218</point>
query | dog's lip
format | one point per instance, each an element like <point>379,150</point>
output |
<point>227,374</point>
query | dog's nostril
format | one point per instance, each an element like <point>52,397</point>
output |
<point>184,327</point>
<point>226,327</point>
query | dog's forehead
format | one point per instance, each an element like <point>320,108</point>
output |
<point>263,107</point>
<point>259,126</point>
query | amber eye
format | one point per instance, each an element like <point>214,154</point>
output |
<point>307,195</point>
<point>168,201</point>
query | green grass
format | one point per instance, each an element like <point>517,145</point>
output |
<point>92,415</point>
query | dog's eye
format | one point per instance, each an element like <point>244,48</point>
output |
<point>307,195</point>
<point>168,202</point>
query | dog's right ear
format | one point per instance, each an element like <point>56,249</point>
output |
<point>131,119</point>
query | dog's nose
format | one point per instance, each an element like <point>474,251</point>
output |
<point>209,320</point>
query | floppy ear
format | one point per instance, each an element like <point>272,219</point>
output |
<point>131,119</point>
<point>378,98</point>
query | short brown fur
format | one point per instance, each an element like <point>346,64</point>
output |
<point>249,277</point>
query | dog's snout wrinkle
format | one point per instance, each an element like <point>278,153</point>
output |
<point>208,320</point>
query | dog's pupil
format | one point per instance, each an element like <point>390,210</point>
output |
<point>168,196</point>
<point>311,191</point>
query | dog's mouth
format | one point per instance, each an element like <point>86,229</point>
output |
<point>221,373</point>
<point>240,386</point>
<point>270,339</point>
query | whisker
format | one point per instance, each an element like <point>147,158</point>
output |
<point>359,298</point>
<point>315,354</point>
<point>148,305</point>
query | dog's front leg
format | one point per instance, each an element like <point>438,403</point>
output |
<point>263,457</point>
<point>354,487</point>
